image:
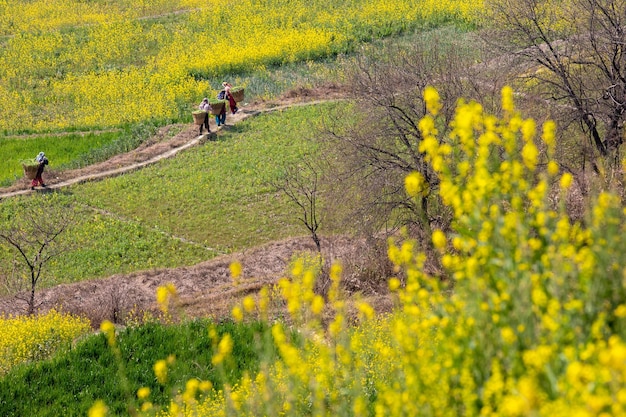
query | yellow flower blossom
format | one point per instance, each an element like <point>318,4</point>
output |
<point>98,409</point>
<point>366,310</point>
<point>620,311</point>
<point>29,338</point>
<point>160,371</point>
<point>415,184</point>
<point>317,306</point>
<point>164,295</point>
<point>235,270</point>
<point>143,393</point>
<point>205,386</point>
<point>528,130</point>
<point>508,335</point>
<point>237,313</point>
<point>248,304</point>
<point>224,349</point>
<point>548,135</point>
<point>431,98</point>
<point>529,155</point>
<point>566,181</point>
<point>108,329</point>
<point>507,99</point>
<point>439,239</point>
<point>553,168</point>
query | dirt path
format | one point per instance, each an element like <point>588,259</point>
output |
<point>163,146</point>
<point>120,164</point>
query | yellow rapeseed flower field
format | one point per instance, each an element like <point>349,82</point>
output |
<point>30,338</point>
<point>68,63</point>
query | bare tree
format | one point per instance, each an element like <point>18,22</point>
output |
<point>300,184</point>
<point>575,51</point>
<point>379,143</point>
<point>31,231</point>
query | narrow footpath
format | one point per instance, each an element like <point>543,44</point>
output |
<point>152,151</point>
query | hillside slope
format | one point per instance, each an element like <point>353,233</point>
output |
<point>204,289</point>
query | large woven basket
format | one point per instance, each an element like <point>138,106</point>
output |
<point>217,106</point>
<point>237,93</point>
<point>30,171</point>
<point>198,117</point>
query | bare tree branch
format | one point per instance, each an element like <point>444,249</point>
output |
<point>32,233</point>
<point>300,184</point>
<point>581,45</point>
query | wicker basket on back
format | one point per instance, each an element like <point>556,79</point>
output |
<point>30,169</point>
<point>237,93</point>
<point>198,117</point>
<point>217,106</point>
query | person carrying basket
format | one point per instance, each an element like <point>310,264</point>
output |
<point>229,96</point>
<point>205,106</point>
<point>42,161</point>
<point>220,118</point>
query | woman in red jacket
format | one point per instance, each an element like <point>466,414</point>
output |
<point>231,101</point>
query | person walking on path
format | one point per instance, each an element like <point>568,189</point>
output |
<point>231,101</point>
<point>206,107</point>
<point>220,119</point>
<point>38,180</point>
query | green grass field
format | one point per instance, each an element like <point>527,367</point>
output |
<point>62,150</point>
<point>68,384</point>
<point>209,200</point>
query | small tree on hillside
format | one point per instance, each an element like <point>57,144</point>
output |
<point>300,184</point>
<point>575,53</point>
<point>30,231</point>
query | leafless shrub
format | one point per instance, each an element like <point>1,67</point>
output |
<point>116,306</point>
<point>571,54</point>
<point>378,144</point>
<point>367,268</point>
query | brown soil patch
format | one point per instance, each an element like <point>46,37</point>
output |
<point>204,290</point>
